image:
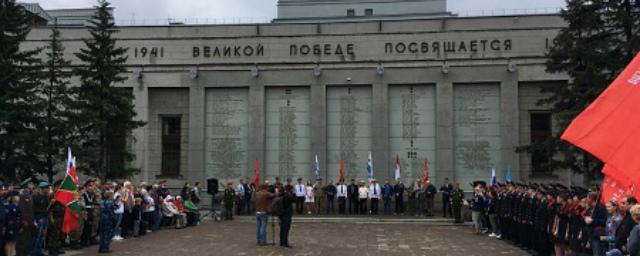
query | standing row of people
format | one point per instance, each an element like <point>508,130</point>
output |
<point>555,220</point>
<point>313,197</point>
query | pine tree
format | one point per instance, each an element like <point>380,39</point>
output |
<point>592,50</point>
<point>58,123</point>
<point>20,72</point>
<point>106,111</point>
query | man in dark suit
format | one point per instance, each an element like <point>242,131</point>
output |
<point>596,221</point>
<point>285,218</point>
<point>624,229</point>
<point>398,191</point>
<point>352,195</point>
<point>446,189</point>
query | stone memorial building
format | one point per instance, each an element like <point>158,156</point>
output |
<point>339,79</point>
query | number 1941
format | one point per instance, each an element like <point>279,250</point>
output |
<point>142,52</point>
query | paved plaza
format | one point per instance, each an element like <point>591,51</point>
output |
<point>318,236</point>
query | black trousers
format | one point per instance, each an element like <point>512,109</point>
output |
<point>399,204</point>
<point>374,205</point>
<point>354,206</point>
<point>228,212</point>
<point>331,209</point>
<point>341,204</point>
<point>285,226</point>
<point>363,206</point>
<point>446,206</point>
<point>300,204</point>
<point>88,227</point>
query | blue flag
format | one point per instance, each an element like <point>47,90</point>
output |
<point>509,177</point>
<point>370,167</point>
<point>316,168</point>
<point>494,181</point>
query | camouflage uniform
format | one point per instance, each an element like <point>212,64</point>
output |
<point>54,234</point>
<point>457,196</point>
<point>76,235</point>
<point>96,213</point>
<point>319,198</point>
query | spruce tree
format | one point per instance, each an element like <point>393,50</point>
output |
<point>106,110</point>
<point>20,72</point>
<point>58,122</point>
<point>592,50</point>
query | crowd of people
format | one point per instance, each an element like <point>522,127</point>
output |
<point>556,220</point>
<point>354,198</point>
<point>545,220</point>
<point>33,220</point>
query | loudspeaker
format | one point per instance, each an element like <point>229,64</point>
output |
<point>212,186</point>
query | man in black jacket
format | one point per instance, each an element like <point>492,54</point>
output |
<point>596,221</point>
<point>352,194</point>
<point>285,218</point>
<point>624,229</point>
<point>398,191</point>
<point>446,189</point>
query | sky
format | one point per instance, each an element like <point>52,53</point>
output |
<point>226,11</point>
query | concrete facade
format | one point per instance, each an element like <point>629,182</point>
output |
<point>454,91</point>
<point>311,11</point>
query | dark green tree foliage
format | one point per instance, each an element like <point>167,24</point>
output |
<point>20,110</point>
<point>106,111</point>
<point>58,124</point>
<point>600,40</point>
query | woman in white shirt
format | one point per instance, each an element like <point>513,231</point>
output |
<point>119,211</point>
<point>309,200</point>
<point>363,194</point>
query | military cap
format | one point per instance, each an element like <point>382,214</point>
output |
<point>26,181</point>
<point>44,184</point>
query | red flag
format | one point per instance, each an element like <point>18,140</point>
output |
<point>614,190</point>
<point>256,174</point>
<point>66,195</point>
<point>608,128</point>
<point>341,169</point>
<point>425,171</point>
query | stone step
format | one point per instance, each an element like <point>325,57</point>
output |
<point>364,220</point>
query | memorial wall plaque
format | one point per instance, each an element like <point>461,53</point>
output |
<point>349,131</point>
<point>226,133</point>
<point>288,153</point>
<point>412,129</point>
<point>476,131</point>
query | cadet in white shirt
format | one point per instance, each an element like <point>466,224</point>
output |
<point>374,195</point>
<point>300,191</point>
<point>341,193</point>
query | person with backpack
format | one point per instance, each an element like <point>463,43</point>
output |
<point>263,207</point>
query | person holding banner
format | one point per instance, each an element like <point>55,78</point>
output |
<point>54,234</point>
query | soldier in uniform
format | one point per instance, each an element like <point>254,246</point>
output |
<point>97,191</point>
<point>320,197</point>
<point>457,196</point>
<point>90,203</point>
<point>41,213</point>
<point>23,244</point>
<point>228,199</point>
<point>76,235</point>
<point>54,234</point>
